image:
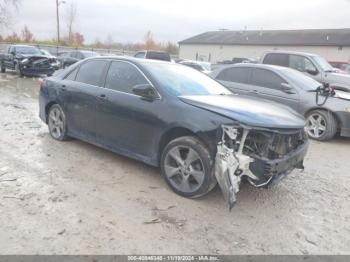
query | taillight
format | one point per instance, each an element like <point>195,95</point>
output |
<point>41,83</point>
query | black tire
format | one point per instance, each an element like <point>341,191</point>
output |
<point>57,124</point>
<point>204,164</point>
<point>3,68</point>
<point>328,121</point>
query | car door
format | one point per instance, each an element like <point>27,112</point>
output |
<point>271,86</point>
<point>79,92</point>
<point>236,79</point>
<point>125,121</point>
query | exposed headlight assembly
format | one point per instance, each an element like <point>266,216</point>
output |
<point>25,61</point>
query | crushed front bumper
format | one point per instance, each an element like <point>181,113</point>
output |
<point>233,161</point>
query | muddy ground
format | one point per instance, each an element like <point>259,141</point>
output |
<point>75,198</point>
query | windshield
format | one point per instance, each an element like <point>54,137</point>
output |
<point>300,80</point>
<point>27,50</point>
<point>180,80</point>
<point>45,52</point>
<point>205,65</point>
<point>323,63</point>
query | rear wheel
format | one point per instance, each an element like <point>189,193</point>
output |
<point>321,125</point>
<point>187,167</point>
<point>57,123</point>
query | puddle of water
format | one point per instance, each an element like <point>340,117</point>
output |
<point>25,86</point>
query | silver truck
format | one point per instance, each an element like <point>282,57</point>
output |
<point>312,65</point>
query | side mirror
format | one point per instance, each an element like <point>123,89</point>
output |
<point>312,71</point>
<point>13,53</point>
<point>146,91</point>
<point>287,88</point>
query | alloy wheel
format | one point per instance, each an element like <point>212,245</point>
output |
<point>184,169</point>
<point>316,125</point>
<point>56,123</point>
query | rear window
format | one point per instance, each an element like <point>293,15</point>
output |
<point>158,56</point>
<point>276,59</point>
<point>234,74</point>
<point>90,72</point>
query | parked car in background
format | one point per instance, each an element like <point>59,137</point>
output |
<point>312,65</point>
<point>204,67</point>
<point>55,63</point>
<point>27,61</point>
<point>343,66</point>
<point>155,55</point>
<point>326,112</point>
<point>237,60</point>
<point>69,58</point>
<point>172,116</point>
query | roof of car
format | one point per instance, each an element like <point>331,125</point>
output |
<point>262,66</point>
<point>322,37</point>
<point>24,46</point>
<point>131,59</point>
<point>289,52</point>
<point>153,51</point>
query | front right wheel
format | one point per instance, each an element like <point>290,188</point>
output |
<point>187,167</point>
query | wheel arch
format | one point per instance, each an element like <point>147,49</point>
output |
<point>176,132</point>
<point>47,108</point>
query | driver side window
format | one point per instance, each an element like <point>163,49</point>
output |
<point>266,78</point>
<point>301,63</point>
<point>123,77</point>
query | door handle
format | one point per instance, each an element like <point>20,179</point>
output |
<point>254,91</point>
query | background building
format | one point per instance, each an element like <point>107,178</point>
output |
<point>333,44</point>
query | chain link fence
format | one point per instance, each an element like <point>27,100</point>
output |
<point>56,50</point>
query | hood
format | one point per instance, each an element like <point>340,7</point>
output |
<point>249,111</point>
<point>337,78</point>
<point>22,56</point>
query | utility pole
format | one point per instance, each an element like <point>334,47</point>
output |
<point>58,19</point>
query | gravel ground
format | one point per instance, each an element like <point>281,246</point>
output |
<point>75,198</point>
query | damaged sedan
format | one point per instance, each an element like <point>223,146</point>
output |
<point>174,117</point>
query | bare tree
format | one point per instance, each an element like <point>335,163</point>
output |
<point>5,12</point>
<point>71,18</point>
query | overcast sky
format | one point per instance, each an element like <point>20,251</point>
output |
<point>129,20</point>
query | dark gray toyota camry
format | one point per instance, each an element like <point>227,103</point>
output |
<point>175,117</point>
